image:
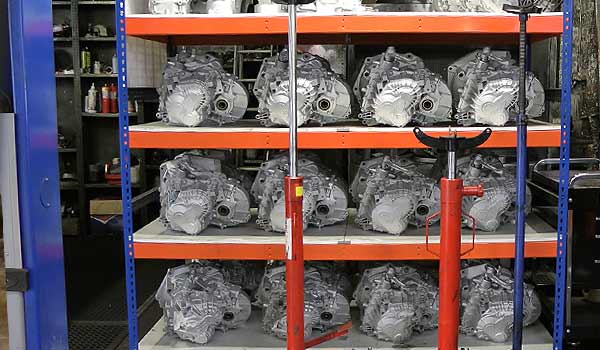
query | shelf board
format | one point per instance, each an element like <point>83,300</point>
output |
<point>90,75</point>
<point>105,115</point>
<point>248,134</point>
<point>63,75</point>
<point>67,150</point>
<point>106,185</point>
<point>251,336</point>
<point>61,3</point>
<point>60,38</point>
<point>347,28</point>
<point>100,2</point>
<point>344,241</point>
<point>107,38</point>
<point>69,185</point>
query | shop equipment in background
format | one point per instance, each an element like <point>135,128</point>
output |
<point>196,90</point>
<point>396,301</point>
<point>323,96</point>
<point>197,191</point>
<point>497,206</point>
<point>325,200</point>
<point>392,192</point>
<point>487,305</point>
<point>485,86</point>
<point>326,299</point>
<point>395,89</point>
<point>197,300</point>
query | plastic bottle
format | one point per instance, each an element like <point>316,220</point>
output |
<point>114,64</point>
<point>91,99</point>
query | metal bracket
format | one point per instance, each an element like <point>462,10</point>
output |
<point>16,280</point>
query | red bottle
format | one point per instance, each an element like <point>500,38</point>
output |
<point>105,99</point>
<point>113,99</point>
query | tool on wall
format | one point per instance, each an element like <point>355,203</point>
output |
<point>523,10</point>
<point>452,193</point>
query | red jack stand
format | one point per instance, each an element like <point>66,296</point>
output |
<point>450,213</point>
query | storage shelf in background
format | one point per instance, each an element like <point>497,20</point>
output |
<point>67,150</point>
<point>351,28</point>
<point>63,75</point>
<point>61,3</point>
<point>251,336</point>
<point>344,241</point>
<point>60,38</point>
<point>98,38</point>
<point>69,185</point>
<point>106,185</point>
<point>248,134</point>
<point>99,2</point>
<point>89,75</point>
<point>105,115</point>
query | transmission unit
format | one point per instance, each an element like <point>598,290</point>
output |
<point>489,5</point>
<point>487,303</point>
<point>196,90</point>
<point>391,193</point>
<point>485,86</point>
<point>324,202</point>
<point>182,7</point>
<point>497,206</point>
<point>326,303</point>
<point>197,300</point>
<point>197,191</point>
<point>322,95</point>
<point>396,301</point>
<point>395,89</point>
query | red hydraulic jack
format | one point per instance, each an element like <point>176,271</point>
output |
<point>294,249</point>
<point>452,193</point>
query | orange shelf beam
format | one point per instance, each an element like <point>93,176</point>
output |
<point>323,138</point>
<point>332,252</point>
<point>347,29</point>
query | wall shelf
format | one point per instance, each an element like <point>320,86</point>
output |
<point>345,241</point>
<point>249,134</point>
<point>422,27</point>
<point>251,336</point>
<point>97,38</point>
<point>102,75</point>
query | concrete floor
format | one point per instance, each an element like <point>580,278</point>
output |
<point>3,317</point>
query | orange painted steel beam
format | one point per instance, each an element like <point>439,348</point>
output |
<point>323,140</point>
<point>332,252</point>
<point>432,23</point>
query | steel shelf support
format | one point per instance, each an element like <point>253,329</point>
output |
<point>125,174</point>
<point>563,186</point>
<point>34,100</point>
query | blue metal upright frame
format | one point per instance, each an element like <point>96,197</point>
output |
<point>125,174</point>
<point>34,98</point>
<point>566,64</point>
<point>563,186</point>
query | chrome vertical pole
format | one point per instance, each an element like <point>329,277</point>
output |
<point>292,112</point>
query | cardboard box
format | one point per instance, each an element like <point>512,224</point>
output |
<point>106,207</point>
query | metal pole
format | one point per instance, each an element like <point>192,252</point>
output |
<point>294,249</point>
<point>293,120</point>
<point>521,189</point>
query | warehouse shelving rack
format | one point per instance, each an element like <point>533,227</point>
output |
<point>337,242</point>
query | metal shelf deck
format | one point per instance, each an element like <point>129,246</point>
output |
<point>251,337</point>
<point>344,241</point>
<point>347,28</point>
<point>248,134</point>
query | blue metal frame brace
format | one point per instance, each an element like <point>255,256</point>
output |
<point>34,96</point>
<point>563,186</point>
<point>126,175</point>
